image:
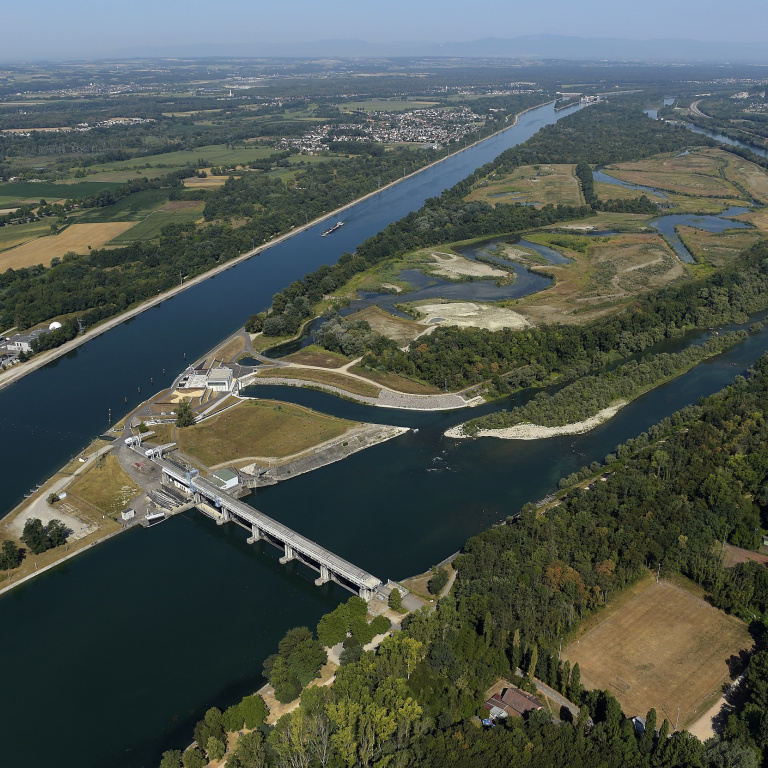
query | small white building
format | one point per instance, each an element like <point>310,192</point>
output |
<point>225,479</point>
<point>220,380</point>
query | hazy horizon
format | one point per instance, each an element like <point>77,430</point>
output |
<point>92,30</point>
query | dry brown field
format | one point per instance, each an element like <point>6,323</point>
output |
<point>664,648</point>
<point>76,237</point>
<point>209,182</point>
<point>734,555</point>
<point>398,383</point>
<point>532,184</point>
<point>604,280</point>
<point>698,173</point>
<point>317,356</point>
<point>717,248</point>
<point>759,218</point>
<point>615,192</point>
<point>183,205</point>
<point>258,428</point>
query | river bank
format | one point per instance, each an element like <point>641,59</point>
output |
<point>20,370</point>
<point>538,432</point>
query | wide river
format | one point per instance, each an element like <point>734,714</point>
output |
<point>111,658</point>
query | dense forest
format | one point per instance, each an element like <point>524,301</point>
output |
<point>669,499</point>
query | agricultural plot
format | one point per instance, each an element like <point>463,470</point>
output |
<point>131,208</point>
<point>665,648</point>
<point>535,184</point>
<point>17,234</point>
<point>175,212</point>
<point>16,192</point>
<point>385,105</point>
<point>211,154</point>
<point>77,238</point>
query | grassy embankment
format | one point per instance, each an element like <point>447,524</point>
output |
<point>254,429</point>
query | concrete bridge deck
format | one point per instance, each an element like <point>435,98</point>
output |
<point>331,567</point>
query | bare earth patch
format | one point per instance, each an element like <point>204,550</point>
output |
<point>605,279</point>
<point>75,238</point>
<point>401,330</point>
<point>470,315</point>
<point>317,356</point>
<point>665,648</point>
<point>451,265</point>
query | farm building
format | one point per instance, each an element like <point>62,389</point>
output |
<point>511,702</point>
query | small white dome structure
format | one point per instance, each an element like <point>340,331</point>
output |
<point>54,326</point>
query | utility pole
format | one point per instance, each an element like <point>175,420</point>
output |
<point>658,572</point>
<point>677,720</point>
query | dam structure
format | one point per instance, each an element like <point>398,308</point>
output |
<point>224,508</point>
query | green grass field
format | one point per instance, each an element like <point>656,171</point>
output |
<point>20,233</point>
<point>21,191</point>
<point>213,154</point>
<point>153,224</point>
<point>132,208</point>
<point>385,105</point>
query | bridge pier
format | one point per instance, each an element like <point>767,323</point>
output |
<point>289,554</point>
<point>255,535</point>
<point>325,576</point>
<point>225,518</point>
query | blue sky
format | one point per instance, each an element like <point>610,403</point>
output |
<point>87,28</point>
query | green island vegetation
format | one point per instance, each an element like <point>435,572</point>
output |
<point>670,497</point>
<point>589,395</point>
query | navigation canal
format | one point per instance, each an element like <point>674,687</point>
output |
<point>112,657</point>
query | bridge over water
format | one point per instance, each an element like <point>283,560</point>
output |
<point>331,567</point>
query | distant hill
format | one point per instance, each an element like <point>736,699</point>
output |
<point>525,47</point>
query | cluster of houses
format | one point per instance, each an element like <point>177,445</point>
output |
<point>436,127</point>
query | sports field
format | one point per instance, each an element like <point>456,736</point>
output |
<point>664,648</point>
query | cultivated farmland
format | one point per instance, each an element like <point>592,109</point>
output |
<point>77,238</point>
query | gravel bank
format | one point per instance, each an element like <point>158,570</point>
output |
<point>536,432</point>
